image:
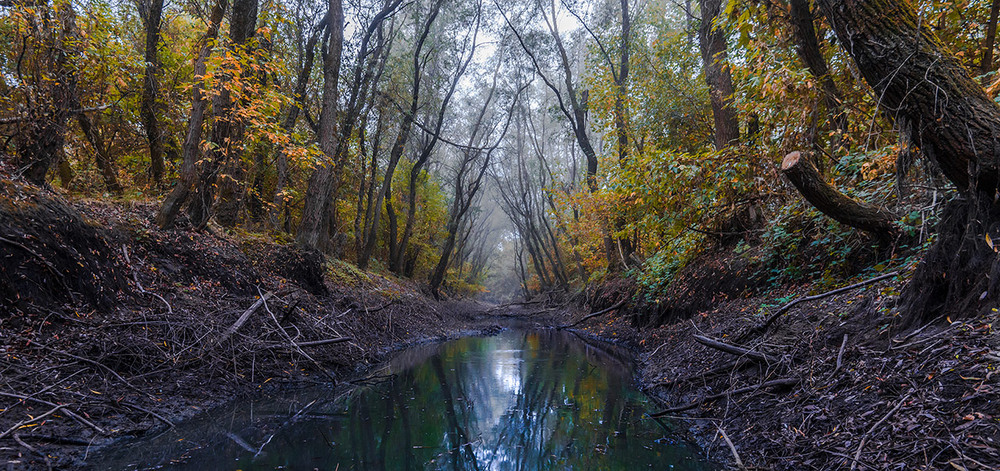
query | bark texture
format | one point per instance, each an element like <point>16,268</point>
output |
<point>152,17</point>
<point>955,124</point>
<point>316,226</point>
<point>712,41</point>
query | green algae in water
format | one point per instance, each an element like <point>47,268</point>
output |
<point>516,401</point>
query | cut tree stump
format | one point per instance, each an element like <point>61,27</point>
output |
<point>802,172</point>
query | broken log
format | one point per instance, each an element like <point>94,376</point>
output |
<point>802,172</point>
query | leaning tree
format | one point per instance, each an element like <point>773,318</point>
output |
<point>955,125</point>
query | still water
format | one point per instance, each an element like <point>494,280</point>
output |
<point>520,400</point>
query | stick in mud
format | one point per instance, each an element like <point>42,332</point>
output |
<point>692,405</point>
<point>598,313</point>
<point>770,320</point>
<point>733,349</point>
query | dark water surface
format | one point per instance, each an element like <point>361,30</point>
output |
<point>521,400</point>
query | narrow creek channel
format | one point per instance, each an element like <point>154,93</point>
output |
<point>519,400</point>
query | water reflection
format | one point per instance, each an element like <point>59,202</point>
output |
<point>516,401</point>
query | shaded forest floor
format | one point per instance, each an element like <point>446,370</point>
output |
<point>830,385</point>
<point>111,328</point>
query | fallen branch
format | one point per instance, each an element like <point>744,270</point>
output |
<point>733,349</point>
<point>55,439</point>
<point>840,355</point>
<point>732,448</point>
<point>135,276</point>
<point>292,341</point>
<point>246,315</point>
<point>692,405</point>
<point>312,343</point>
<point>770,320</point>
<point>70,413</point>
<point>377,309</point>
<point>48,463</point>
<point>154,414</point>
<point>28,421</point>
<point>596,314</point>
<point>861,446</point>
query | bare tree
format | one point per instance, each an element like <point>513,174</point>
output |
<point>472,166</point>
<point>465,56</point>
<point>399,146</point>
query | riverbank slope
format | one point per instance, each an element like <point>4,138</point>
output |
<point>111,327</point>
<point>831,383</point>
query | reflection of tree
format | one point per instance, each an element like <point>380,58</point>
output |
<point>396,396</point>
<point>456,433</point>
<point>519,401</point>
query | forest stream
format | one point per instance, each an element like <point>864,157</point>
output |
<point>539,399</point>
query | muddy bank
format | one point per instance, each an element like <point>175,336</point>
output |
<point>111,328</point>
<point>832,384</point>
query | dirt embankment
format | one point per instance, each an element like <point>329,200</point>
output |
<point>110,327</point>
<point>832,384</point>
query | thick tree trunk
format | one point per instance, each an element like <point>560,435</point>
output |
<point>956,125</point>
<point>152,17</point>
<point>800,170</point>
<point>712,41</point>
<point>191,148</point>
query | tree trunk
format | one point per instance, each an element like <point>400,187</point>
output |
<point>990,42</point>
<point>955,124</point>
<point>39,144</point>
<point>191,148</point>
<point>397,263</point>
<point>152,17</point>
<point>807,47</point>
<point>800,170</point>
<point>317,215</point>
<point>622,246</point>
<point>105,163</point>
<point>65,170</point>
<point>301,81</point>
<point>223,157</point>
<point>720,82</point>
